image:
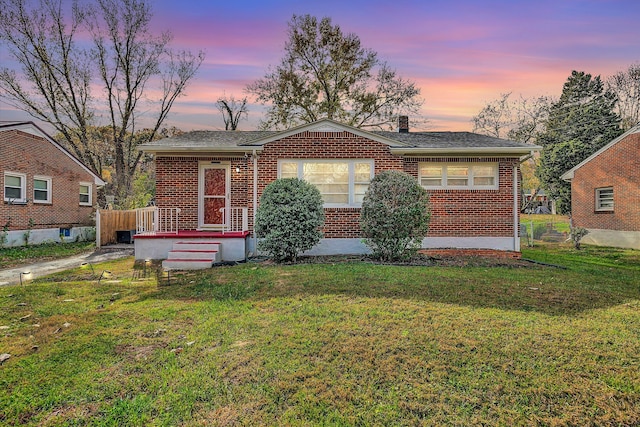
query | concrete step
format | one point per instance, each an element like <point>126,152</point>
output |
<point>194,254</point>
<point>186,264</point>
<point>197,246</point>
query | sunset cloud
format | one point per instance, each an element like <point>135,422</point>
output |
<point>461,53</point>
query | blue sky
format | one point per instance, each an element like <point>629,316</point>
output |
<point>461,53</point>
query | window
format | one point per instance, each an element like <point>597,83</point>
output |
<point>458,175</point>
<point>85,194</point>
<point>341,182</point>
<point>15,187</point>
<point>604,199</point>
<point>41,189</point>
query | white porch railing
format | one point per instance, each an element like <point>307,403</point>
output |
<point>236,219</point>
<point>157,220</point>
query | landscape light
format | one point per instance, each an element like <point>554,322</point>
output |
<point>105,274</point>
<point>25,275</point>
<point>84,264</point>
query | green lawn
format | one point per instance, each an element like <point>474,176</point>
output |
<point>329,344</point>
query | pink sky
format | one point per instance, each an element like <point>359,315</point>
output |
<point>460,53</point>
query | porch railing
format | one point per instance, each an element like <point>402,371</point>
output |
<point>157,220</point>
<point>236,219</point>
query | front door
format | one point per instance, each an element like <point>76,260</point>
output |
<point>214,186</point>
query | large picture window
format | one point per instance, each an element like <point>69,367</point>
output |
<point>15,187</point>
<point>604,199</point>
<point>458,175</point>
<point>41,189</point>
<point>341,182</point>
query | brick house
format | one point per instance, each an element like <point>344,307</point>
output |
<point>605,193</point>
<point>45,188</point>
<point>215,178</point>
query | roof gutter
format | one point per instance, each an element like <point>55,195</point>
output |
<point>190,151</point>
<point>465,150</point>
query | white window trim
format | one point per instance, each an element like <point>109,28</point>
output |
<point>49,188</point>
<point>23,187</point>
<point>599,207</point>
<point>351,163</point>
<point>470,186</point>
<point>90,185</point>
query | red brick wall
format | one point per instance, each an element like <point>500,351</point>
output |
<point>32,155</point>
<point>177,185</point>
<point>455,213</point>
<point>617,167</point>
<point>465,213</point>
<point>339,222</point>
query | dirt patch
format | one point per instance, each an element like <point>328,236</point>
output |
<point>137,352</point>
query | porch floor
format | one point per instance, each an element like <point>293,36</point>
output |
<point>183,234</point>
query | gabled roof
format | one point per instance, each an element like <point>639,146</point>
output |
<point>399,143</point>
<point>33,129</point>
<point>568,175</point>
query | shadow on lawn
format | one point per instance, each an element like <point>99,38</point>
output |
<point>542,289</point>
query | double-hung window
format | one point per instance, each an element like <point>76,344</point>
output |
<point>85,194</point>
<point>342,183</point>
<point>41,189</point>
<point>604,199</point>
<point>15,187</point>
<point>434,176</point>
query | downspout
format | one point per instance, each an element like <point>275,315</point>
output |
<point>255,200</point>
<point>516,225</point>
<point>516,208</point>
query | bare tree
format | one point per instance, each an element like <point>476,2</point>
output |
<point>58,69</point>
<point>328,74</point>
<point>626,86</point>
<point>519,120</point>
<point>233,110</point>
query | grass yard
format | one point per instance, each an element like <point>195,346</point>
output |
<point>329,344</point>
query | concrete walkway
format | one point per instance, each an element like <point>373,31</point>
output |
<point>12,275</point>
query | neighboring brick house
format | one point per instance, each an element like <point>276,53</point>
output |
<point>605,193</point>
<point>45,188</point>
<point>472,179</point>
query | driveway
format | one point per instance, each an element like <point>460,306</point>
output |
<point>12,275</point>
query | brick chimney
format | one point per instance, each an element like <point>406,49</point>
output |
<point>403,124</point>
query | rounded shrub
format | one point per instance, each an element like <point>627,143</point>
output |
<point>289,218</point>
<point>395,216</point>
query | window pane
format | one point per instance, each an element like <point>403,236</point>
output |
<point>431,182</point>
<point>12,193</point>
<point>332,179</point>
<point>431,171</point>
<point>12,181</point>
<point>289,170</point>
<point>40,195</point>
<point>483,180</point>
<point>316,173</point>
<point>40,184</point>
<point>484,175</point>
<point>84,198</point>
<point>336,198</point>
<point>483,170</point>
<point>362,172</point>
<point>457,175</point>
<point>84,189</point>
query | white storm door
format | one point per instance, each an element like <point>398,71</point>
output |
<point>214,185</point>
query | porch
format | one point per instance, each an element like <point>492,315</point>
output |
<point>159,237</point>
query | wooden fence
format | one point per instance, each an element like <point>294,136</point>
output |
<point>108,222</point>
